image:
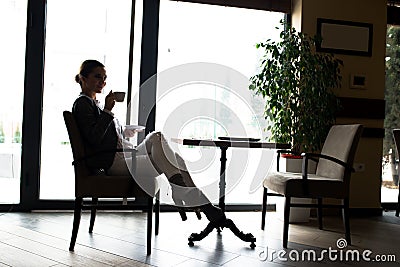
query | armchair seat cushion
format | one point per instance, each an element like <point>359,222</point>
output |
<point>103,186</point>
<point>291,184</point>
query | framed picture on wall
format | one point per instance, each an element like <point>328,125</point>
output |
<point>345,37</point>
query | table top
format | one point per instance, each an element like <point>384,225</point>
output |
<point>229,143</point>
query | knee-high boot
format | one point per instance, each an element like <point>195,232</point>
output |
<point>194,198</point>
<point>177,197</point>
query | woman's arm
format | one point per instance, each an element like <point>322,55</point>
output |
<point>92,122</point>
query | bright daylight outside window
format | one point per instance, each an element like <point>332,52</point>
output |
<point>390,177</point>
<point>77,30</point>
<point>206,55</point>
<point>12,53</point>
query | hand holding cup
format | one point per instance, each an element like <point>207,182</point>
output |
<point>109,101</point>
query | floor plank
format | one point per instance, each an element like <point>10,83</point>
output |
<point>13,256</point>
<point>62,244</point>
<point>119,239</point>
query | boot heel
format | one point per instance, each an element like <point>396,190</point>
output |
<point>182,213</point>
<point>198,214</point>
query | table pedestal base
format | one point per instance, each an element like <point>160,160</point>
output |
<point>228,223</point>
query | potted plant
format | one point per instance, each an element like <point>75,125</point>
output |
<point>296,82</point>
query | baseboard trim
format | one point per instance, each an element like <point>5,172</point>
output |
<point>357,212</point>
<point>354,212</point>
<point>366,212</point>
<point>228,207</point>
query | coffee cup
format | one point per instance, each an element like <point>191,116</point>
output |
<point>119,96</point>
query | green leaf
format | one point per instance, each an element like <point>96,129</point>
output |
<point>296,83</point>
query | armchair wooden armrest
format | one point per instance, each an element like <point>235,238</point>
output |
<point>313,156</point>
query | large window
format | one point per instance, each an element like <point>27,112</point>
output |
<point>12,54</point>
<point>390,176</point>
<point>77,30</point>
<point>206,55</point>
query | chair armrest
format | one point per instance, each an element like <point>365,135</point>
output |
<point>132,150</point>
<point>312,156</point>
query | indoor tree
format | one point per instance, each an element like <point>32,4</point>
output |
<point>296,83</point>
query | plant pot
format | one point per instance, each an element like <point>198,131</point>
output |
<point>297,215</point>
<point>294,164</point>
<point>394,169</point>
<point>290,163</point>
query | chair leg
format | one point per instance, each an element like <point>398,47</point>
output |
<point>346,220</point>
<point>77,220</point>
<point>398,204</point>
<point>264,208</point>
<point>286,222</point>
<point>93,214</point>
<point>149,223</point>
<point>157,213</point>
<point>319,213</point>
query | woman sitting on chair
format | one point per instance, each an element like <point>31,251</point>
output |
<point>101,131</point>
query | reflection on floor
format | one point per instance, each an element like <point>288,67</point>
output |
<point>42,239</point>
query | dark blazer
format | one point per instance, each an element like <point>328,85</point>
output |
<point>98,132</point>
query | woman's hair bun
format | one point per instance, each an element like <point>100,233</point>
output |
<point>77,79</point>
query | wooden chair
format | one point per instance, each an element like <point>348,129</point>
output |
<point>396,137</point>
<point>92,186</point>
<point>331,180</point>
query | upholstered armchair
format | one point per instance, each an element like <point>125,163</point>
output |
<point>96,186</point>
<point>331,180</point>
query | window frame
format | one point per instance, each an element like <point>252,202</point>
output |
<point>34,81</point>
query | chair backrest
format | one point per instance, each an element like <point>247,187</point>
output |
<point>78,150</point>
<point>341,143</point>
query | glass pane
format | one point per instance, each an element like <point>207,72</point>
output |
<point>390,175</point>
<point>204,66</point>
<point>100,29</point>
<point>12,53</point>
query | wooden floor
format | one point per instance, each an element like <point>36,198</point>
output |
<point>42,239</point>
